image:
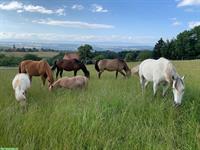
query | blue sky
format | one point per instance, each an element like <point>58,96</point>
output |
<point>139,22</point>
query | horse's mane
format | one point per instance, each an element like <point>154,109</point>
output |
<point>83,67</point>
<point>48,71</point>
<point>126,68</point>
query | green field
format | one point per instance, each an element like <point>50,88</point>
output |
<point>110,114</point>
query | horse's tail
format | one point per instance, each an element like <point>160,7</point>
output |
<point>135,70</point>
<point>54,65</point>
<point>96,66</point>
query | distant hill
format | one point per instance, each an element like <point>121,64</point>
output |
<point>73,47</point>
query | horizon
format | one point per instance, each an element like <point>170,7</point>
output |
<point>136,23</point>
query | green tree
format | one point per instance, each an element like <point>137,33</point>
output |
<point>85,52</point>
<point>31,57</point>
<point>157,51</point>
<point>144,55</point>
<point>129,57</point>
<point>99,57</point>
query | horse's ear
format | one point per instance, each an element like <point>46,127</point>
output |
<point>174,84</point>
<point>183,77</point>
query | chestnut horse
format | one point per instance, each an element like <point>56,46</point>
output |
<point>37,68</point>
<point>70,65</point>
<point>117,65</point>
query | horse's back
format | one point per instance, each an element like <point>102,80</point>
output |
<point>110,64</point>
<point>33,68</point>
<point>21,80</point>
<point>152,69</point>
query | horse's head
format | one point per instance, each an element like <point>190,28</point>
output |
<point>128,73</point>
<point>50,81</point>
<point>178,89</point>
<point>50,87</point>
<point>87,74</point>
<point>20,95</point>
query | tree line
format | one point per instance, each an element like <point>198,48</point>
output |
<point>185,46</point>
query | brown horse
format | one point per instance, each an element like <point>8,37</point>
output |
<point>117,65</point>
<point>37,68</point>
<point>69,65</point>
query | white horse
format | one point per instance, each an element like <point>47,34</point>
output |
<point>20,84</point>
<point>161,71</point>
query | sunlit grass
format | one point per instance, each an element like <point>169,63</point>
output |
<point>110,114</point>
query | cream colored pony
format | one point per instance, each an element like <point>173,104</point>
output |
<point>161,71</point>
<point>20,84</point>
<point>70,83</point>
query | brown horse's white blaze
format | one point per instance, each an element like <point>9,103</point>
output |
<point>161,71</point>
<point>37,68</point>
<point>117,65</point>
<point>70,83</point>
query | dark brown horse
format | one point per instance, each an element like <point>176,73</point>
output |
<point>117,65</point>
<point>37,68</point>
<point>70,65</point>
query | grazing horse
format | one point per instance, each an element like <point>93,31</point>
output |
<point>70,83</point>
<point>37,68</point>
<point>21,83</point>
<point>117,65</point>
<point>161,71</point>
<point>70,65</point>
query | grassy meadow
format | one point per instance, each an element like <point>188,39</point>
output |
<point>110,114</point>
<point>42,54</point>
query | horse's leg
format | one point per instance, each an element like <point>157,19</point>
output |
<point>116,74</point>
<point>165,88</point>
<point>146,83</point>
<point>61,72</point>
<point>122,73</point>
<point>155,87</point>
<point>30,77</point>
<point>142,82</point>
<point>100,74</point>
<point>75,72</point>
<point>43,79</point>
<point>57,73</point>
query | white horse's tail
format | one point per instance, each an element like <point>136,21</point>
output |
<point>135,70</point>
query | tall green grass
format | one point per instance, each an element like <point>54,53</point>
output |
<point>110,114</point>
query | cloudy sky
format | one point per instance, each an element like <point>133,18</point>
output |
<point>140,22</point>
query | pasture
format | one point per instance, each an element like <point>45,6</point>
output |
<point>42,54</point>
<point>110,114</point>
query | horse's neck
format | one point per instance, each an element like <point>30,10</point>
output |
<point>126,68</point>
<point>173,72</point>
<point>83,68</point>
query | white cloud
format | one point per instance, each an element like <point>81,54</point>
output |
<point>38,9</point>
<point>14,5</point>
<point>20,11</point>
<point>98,8</point>
<point>52,37</point>
<point>60,12</point>
<point>73,24</point>
<point>77,7</point>
<point>188,3</point>
<point>20,7</point>
<point>175,22</point>
<point>193,24</point>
